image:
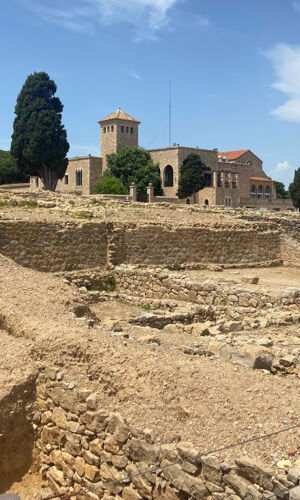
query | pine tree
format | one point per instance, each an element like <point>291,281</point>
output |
<point>39,140</point>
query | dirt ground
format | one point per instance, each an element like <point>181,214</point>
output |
<point>273,279</point>
<point>207,402</point>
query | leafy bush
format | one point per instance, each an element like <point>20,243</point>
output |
<point>109,184</point>
<point>132,164</point>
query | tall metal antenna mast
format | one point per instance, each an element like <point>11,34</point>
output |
<point>170,114</point>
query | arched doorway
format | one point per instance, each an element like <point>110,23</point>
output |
<point>206,203</point>
<point>168,176</point>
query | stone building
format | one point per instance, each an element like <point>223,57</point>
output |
<point>233,178</point>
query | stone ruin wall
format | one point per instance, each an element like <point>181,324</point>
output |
<point>58,246</point>
<point>48,246</point>
<point>82,445</point>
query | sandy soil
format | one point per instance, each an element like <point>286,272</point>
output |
<point>207,402</point>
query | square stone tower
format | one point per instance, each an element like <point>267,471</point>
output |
<point>117,130</point>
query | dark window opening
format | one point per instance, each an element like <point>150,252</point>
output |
<point>78,177</point>
<point>253,191</point>
<point>206,203</point>
<point>112,128</point>
<point>36,182</point>
<point>127,130</point>
<point>66,179</point>
<point>207,179</point>
<point>168,176</point>
<point>104,130</point>
<point>131,130</point>
<point>122,129</point>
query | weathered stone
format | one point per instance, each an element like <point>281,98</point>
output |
<point>91,472</point>
<point>255,472</point>
<point>295,493</point>
<point>189,454</point>
<point>294,475</point>
<point>242,487</point>
<point>183,482</point>
<point>79,466</point>
<point>111,445</point>
<point>129,493</point>
<point>141,451</point>
<point>90,458</point>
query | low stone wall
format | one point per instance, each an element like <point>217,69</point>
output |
<point>156,283</point>
<point>193,246</point>
<point>66,246</point>
<point>84,448</point>
<point>48,246</point>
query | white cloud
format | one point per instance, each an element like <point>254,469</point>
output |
<point>283,172</point>
<point>145,17</point>
<point>134,74</point>
<point>286,62</point>
<point>296,6</point>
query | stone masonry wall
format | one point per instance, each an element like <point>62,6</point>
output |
<point>54,247</point>
<point>155,283</point>
<point>192,246</point>
<point>66,246</point>
<point>85,448</point>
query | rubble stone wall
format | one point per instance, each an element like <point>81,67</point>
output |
<point>157,283</point>
<point>85,446</point>
<point>71,245</point>
<point>47,246</point>
<point>189,246</point>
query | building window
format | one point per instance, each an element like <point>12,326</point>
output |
<point>206,203</point>
<point>78,177</point>
<point>267,192</point>
<point>131,130</point>
<point>253,191</point>
<point>219,181</point>
<point>260,192</point>
<point>36,182</point>
<point>168,176</point>
<point>104,130</point>
<point>127,130</point>
<point>207,179</point>
<point>122,129</point>
<point>66,179</point>
<point>112,128</point>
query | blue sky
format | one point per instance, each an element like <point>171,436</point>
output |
<point>234,65</point>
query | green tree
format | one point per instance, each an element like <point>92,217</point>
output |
<point>9,172</point>
<point>280,190</point>
<point>191,178</point>
<point>294,189</point>
<point>39,140</point>
<point>132,164</point>
<point>109,184</point>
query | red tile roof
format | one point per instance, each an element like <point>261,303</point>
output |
<point>268,179</point>
<point>233,155</point>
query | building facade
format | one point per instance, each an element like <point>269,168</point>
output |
<point>233,178</point>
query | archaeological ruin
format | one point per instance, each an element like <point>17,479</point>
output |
<point>149,350</point>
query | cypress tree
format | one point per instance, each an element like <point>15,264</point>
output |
<point>191,176</point>
<point>39,140</point>
<point>294,189</point>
